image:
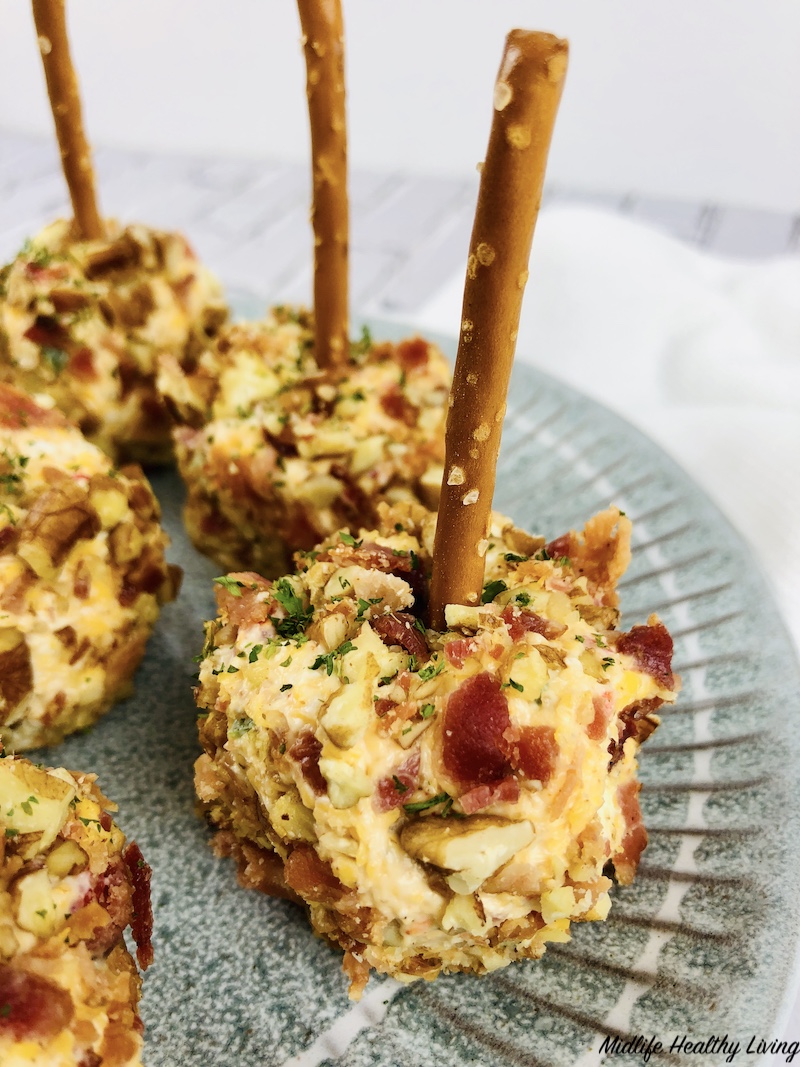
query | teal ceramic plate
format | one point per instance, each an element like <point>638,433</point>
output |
<point>702,944</point>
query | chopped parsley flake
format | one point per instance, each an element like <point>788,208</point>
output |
<point>285,687</point>
<point>241,726</point>
<point>515,685</point>
<point>254,651</point>
<point>348,539</point>
<point>512,557</point>
<point>233,587</point>
<point>426,711</point>
<point>607,662</point>
<point>399,786</point>
<point>493,589</point>
<point>298,616</point>
<point>431,671</point>
<point>327,660</point>
<point>432,802</point>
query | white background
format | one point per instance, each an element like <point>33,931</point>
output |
<point>689,98</point>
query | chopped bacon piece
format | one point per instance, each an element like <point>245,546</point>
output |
<point>560,546</point>
<point>383,706</point>
<point>634,841</point>
<point>532,750</point>
<point>475,718</point>
<point>305,750</point>
<point>312,877</point>
<point>651,647</point>
<point>459,650</point>
<point>603,704</point>
<point>142,921</point>
<point>81,364</point>
<point>244,609</point>
<point>528,622</point>
<point>390,794</point>
<point>397,628</point>
<point>32,1008</point>
<point>505,791</point>
<point>397,406</point>
<point>112,891</point>
<point>17,411</point>
<point>412,353</point>
<point>48,331</point>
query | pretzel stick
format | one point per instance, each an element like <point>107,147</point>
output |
<point>323,44</point>
<point>526,99</point>
<point>65,102</point>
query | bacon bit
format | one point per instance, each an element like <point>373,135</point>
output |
<point>383,706</point>
<point>651,647</point>
<point>18,412</point>
<point>105,821</point>
<point>456,652</point>
<point>532,750</point>
<point>312,877</point>
<point>244,609</point>
<point>305,750</point>
<point>636,720</point>
<point>397,713</point>
<point>48,331</point>
<point>81,364</point>
<point>560,546</point>
<point>397,406</point>
<point>33,1008</point>
<point>397,628</point>
<point>528,622</point>
<point>506,791</point>
<point>404,680</point>
<point>388,794</point>
<point>142,922</point>
<point>475,718</point>
<point>113,893</point>
<point>634,841</point>
<point>603,704</point>
<point>497,652</point>
<point>412,353</point>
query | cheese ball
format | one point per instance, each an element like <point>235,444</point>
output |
<point>85,322</point>
<point>69,888</point>
<point>82,575</point>
<point>277,454</point>
<point>440,801</point>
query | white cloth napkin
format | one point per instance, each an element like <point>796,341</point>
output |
<point>701,353</point>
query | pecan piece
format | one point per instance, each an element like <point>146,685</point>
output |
<point>58,518</point>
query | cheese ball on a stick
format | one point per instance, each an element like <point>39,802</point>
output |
<point>443,797</point>
<point>277,453</point>
<point>441,800</point>
<point>288,430</point>
<point>82,575</point>
<point>88,306</point>
<point>69,888</point>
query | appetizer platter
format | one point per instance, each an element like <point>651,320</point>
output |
<point>424,731</point>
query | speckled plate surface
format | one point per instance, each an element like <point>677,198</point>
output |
<point>703,943</point>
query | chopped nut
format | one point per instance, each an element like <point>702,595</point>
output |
<point>56,520</point>
<point>471,848</point>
